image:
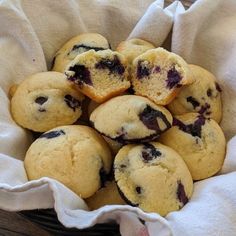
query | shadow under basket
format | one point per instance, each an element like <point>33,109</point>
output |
<point>47,219</point>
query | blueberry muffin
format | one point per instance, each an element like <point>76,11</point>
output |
<point>77,45</point>
<point>99,75</point>
<point>92,105</point>
<point>158,75</point>
<point>74,155</point>
<point>114,145</point>
<point>202,96</point>
<point>133,47</point>
<point>44,101</point>
<point>108,195</point>
<point>199,141</point>
<point>153,177</point>
<point>130,118</point>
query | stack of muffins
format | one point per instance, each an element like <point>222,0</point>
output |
<point>150,123</point>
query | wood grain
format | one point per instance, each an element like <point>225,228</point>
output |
<point>12,224</point>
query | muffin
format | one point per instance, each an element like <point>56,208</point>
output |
<point>74,155</point>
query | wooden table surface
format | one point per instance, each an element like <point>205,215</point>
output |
<point>13,224</point>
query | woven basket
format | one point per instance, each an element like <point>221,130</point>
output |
<point>48,220</point>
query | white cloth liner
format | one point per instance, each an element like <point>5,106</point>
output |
<point>30,34</point>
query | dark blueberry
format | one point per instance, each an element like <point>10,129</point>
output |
<point>86,48</point>
<point>103,177</point>
<point>122,138</point>
<point>42,109</point>
<point>41,100</point>
<point>149,118</point>
<point>193,101</point>
<point>123,166</point>
<point>198,125</point>
<point>200,121</point>
<point>194,129</point>
<point>150,152</point>
<point>204,108</point>
<point>53,62</point>
<point>179,123</point>
<point>72,102</point>
<point>218,88</point>
<point>138,189</point>
<point>209,92</point>
<point>81,76</point>
<point>114,66</point>
<point>181,193</point>
<point>142,70</point>
<point>157,69</point>
<point>53,134</point>
<point>125,198</point>
<point>173,78</point>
